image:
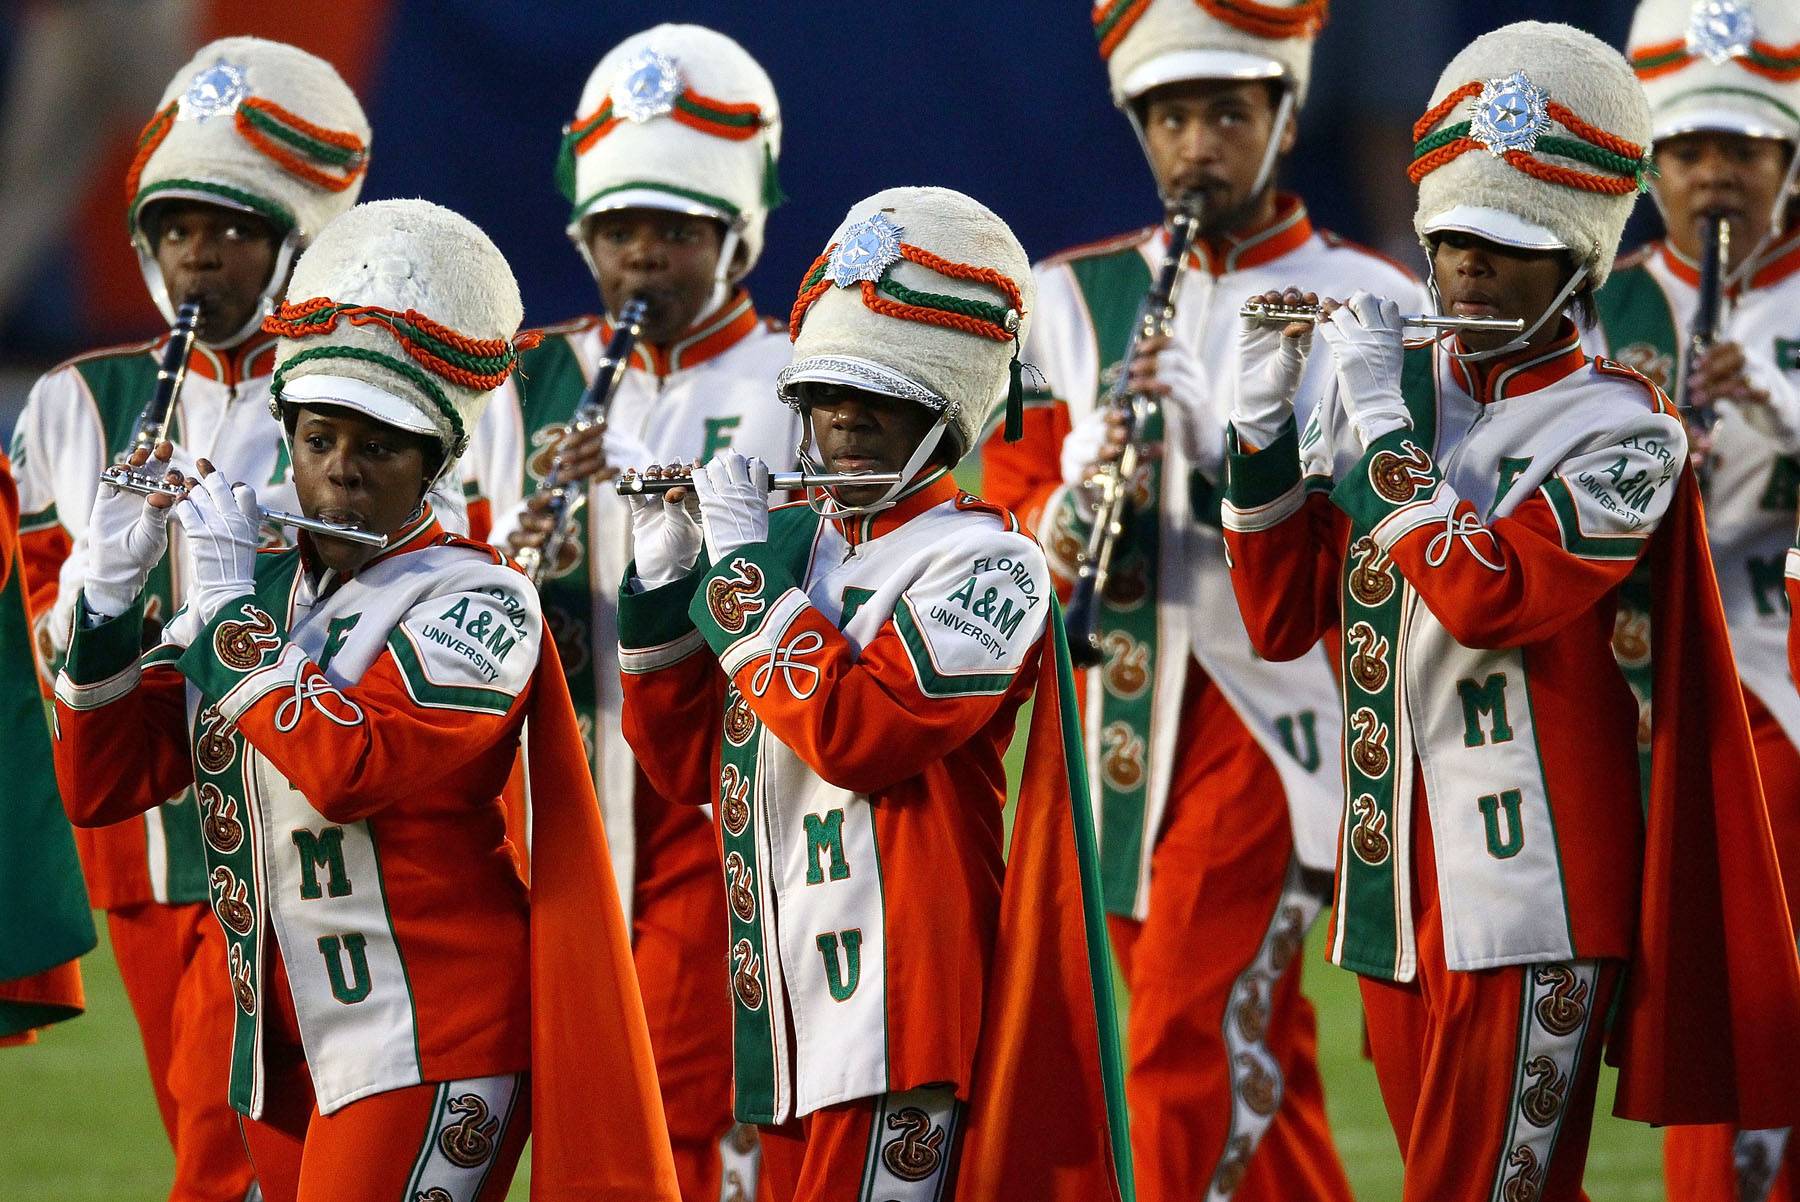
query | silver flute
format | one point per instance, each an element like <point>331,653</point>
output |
<point>1280,315</point>
<point>632,484</point>
<point>122,477</point>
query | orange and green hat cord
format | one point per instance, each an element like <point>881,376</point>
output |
<point>720,118</point>
<point>149,138</point>
<point>1779,63</point>
<point>1623,166</point>
<point>984,319</point>
<point>1113,19</point>
<point>326,158</point>
<point>735,122</point>
<point>434,349</point>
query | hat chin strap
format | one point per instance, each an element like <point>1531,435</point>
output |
<point>887,500</point>
<point>1265,172</point>
<point>1284,112</point>
<point>265,303</point>
<point>722,281</point>
<point>1518,341</point>
<point>1777,224</point>
<point>722,285</point>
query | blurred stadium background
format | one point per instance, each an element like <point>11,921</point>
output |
<point>1004,99</point>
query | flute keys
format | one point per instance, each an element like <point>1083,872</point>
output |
<point>121,477</point>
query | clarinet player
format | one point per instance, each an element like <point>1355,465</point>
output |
<point>669,163</point>
<point>1215,773</point>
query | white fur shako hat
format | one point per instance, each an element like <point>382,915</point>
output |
<point>253,125</point>
<point>1536,137</point>
<point>921,294</point>
<point>680,118</point>
<point>1726,65</point>
<point>1148,43</point>
<point>404,311</point>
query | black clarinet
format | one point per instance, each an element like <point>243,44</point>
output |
<point>566,497</point>
<point>1155,316</point>
<point>153,420</point>
<point>1709,320</point>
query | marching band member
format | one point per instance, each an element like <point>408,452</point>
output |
<point>840,680</point>
<point>404,1007</point>
<point>1464,511</point>
<point>670,164</point>
<point>1725,121</point>
<point>253,148</point>
<point>1189,734</point>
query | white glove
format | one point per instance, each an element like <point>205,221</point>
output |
<point>665,538</point>
<point>734,502</point>
<point>58,626</point>
<point>223,529</point>
<point>126,537</point>
<point>1269,370</point>
<point>1365,340</point>
<point>1081,446</point>
<point>1189,409</point>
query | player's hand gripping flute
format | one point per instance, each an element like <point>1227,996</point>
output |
<point>153,422</point>
<point>566,497</point>
<point>122,477</point>
<point>1112,482</point>
<point>1709,320</point>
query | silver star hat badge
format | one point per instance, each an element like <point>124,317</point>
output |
<point>1510,114</point>
<point>869,248</point>
<point>1720,30</point>
<point>218,89</point>
<point>648,88</point>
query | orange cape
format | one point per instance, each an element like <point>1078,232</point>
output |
<point>598,1132</point>
<point>1047,1105</point>
<point>1710,1017</point>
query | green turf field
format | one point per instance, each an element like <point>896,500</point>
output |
<point>82,1126</point>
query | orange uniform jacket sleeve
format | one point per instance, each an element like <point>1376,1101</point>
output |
<point>1022,476</point>
<point>121,743</point>
<point>674,696</point>
<point>43,551</point>
<point>1285,543</point>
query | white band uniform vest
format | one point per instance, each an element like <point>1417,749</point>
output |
<point>1286,706</point>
